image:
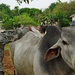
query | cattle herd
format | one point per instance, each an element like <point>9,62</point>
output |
<point>51,52</point>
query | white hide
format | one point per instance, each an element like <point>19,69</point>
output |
<point>24,50</point>
<point>67,49</point>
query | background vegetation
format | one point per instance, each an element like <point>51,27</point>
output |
<point>56,12</point>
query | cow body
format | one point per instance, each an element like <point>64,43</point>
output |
<point>28,55</point>
<point>27,50</point>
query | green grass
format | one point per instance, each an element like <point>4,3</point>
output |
<point>7,47</point>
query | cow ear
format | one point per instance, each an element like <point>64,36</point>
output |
<point>51,54</point>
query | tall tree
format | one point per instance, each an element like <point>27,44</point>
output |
<point>33,12</point>
<point>52,6</point>
<point>25,10</point>
<point>3,16</point>
<point>16,11</point>
<point>5,9</point>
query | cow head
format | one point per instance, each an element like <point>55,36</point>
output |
<point>52,35</point>
<point>11,35</point>
<point>21,31</point>
<point>67,45</point>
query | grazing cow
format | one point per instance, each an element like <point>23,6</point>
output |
<point>32,55</point>
<point>67,45</point>
<point>7,37</point>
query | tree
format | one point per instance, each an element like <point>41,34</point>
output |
<point>67,8</point>
<point>15,11</point>
<point>33,12</point>
<point>71,8</point>
<point>24,10</point>
<point>8,24</point>
<point>5,9</point>
<point>24,19</point>
<point>3,16</point>
<point>52,6</point>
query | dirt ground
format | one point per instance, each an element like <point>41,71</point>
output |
<point>7,64</point>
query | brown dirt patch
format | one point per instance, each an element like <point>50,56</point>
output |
<point>7,64</point>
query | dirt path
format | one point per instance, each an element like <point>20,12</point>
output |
<point>8,67</point>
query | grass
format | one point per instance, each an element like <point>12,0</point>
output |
<point>7,47</point>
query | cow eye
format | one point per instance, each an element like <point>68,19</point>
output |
<point>65,43</point>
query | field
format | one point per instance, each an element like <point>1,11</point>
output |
<point>7,63</point>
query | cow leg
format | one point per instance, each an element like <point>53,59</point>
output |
<point>1,69</point>
<point>1,59</point>
<point>15,73</point>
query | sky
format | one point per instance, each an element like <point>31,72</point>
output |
<point>40,4</point>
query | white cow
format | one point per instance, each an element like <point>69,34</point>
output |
<point>32,55</point>
<point>67,45</point>
<point>24,50</point>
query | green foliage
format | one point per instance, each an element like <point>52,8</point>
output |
<point>52,6</point>
<point>5,9</point>
<point>62,18</point>
<point>3,16</point>
<point>8,24</point>
<point>18,20</point>
<point>15,11</point>
<point>23,19</point>
<point>7,47</point>
<point>33,13</point>
<point>60,12</point>
<point>24,10</point>
<point>71,10</point>
<point>67,8</point>
<point>64,22</point>
<point>55,12</point>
